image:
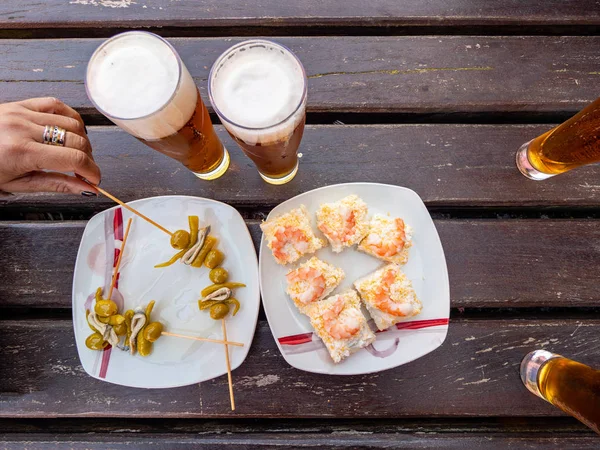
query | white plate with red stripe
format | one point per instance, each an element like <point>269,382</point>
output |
<point>426,268</point>
<point>176,289</point>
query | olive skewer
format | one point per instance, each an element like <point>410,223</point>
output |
<point>126,206</point>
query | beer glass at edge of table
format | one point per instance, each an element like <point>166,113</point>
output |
<point>139,82</point>
<point>258,89</point>
<point>567,384</point>
<point>571,144</point>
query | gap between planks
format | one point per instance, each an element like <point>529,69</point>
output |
<point>22,213</point>
<point>82,425</point>
<point>280,28</point>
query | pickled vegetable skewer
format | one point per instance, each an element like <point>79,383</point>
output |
<point>216,341</point>
<point>228,366</point>
<point>110,327</point>
<point>126,206</point>
<point>115,275</point>
<point>192,247</point>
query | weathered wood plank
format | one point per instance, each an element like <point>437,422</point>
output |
<point>447,165</point>
<point>273,13</point>
<point>423,74</point>
<point>297,441</point>
<point>475,373</point>
<point>492,263</point>
<point>521,426</point>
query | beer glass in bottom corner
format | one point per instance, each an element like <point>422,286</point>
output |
<point>139,82</point>
<point>572,144</point>
<point>568,385</point>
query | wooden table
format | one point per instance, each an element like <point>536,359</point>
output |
<point>435,95</point>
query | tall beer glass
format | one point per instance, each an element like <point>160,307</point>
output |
<point>569,385</point>
<point>258,90</point>
<point>572,144</point>
<point>138,81</point>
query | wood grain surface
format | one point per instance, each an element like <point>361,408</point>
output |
<point>474,373</point>
<point>297,441</point>
<point>491,263</point>
<point>449,166</point>
<point>274,13</point>
<point>516,284</point>
<point>423,74</point>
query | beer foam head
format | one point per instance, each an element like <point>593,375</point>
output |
<point>258,89</point>
<point>138,81</point>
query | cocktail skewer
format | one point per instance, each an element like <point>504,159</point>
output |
<point>228,366</point>
<point>216,341</point>
<point>116,274</point>
<point>126,206</point>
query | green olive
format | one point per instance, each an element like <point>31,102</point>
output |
<point>120,329</point>
<point>214,258</point>
<point>105,308</point>
<point>152,331</point>
<point>116,319</point>
<point>95,341</point>
<point>218,275</point>
<point>219,311</point>
<point>180,240</point>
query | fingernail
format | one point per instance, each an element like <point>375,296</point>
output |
<point>89,194</point>
<point>83,179</point>
<point>85,129</point>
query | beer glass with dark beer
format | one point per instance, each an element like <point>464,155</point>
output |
<point>572,144</point>
<point>138,81</point>
<point>258,89</point>
<point>567,384</point>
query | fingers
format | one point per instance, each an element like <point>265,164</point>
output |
<point>62,159</point>
<point>48,182</point>
<point>72,139</point>
<point>68,123</point>
<point>50,111</point>
<point>51,105</point>
<point>30,157</point>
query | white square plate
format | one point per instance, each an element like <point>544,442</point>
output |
<point>426,268</point>
<point>176,290</point>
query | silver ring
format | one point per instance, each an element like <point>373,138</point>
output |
<point>54,135</point>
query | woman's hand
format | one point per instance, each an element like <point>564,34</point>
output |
<point>28,165</point>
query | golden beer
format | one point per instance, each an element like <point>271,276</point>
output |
<point>572,144</point>
<point>138,81</point>
<point>195,145</point>
<point>258,90</point>
<point>568,385</point>
<point>278,159</point>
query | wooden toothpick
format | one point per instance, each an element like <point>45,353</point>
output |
<point>126,206</point>
<point>228,366</point>
<point>114,279</point>
<point>195,338</point>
